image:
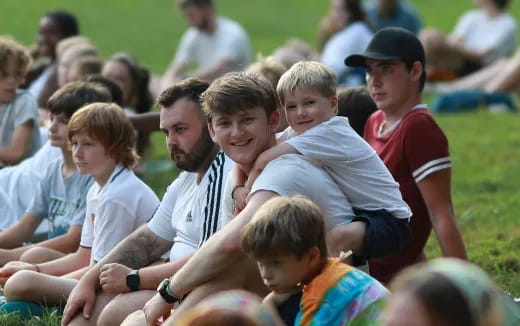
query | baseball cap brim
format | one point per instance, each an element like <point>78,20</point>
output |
<point>358,60</point>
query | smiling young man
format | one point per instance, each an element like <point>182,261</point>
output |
<point>242,113</point>
<point>188,214</point>
<point>410,143</point>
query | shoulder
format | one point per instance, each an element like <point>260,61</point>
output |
<point>125,186</point>
<point>419,121</point>
<point>230,25</point>
<point>23,100</point>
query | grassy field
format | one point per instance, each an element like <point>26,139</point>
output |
<point>485,147</point>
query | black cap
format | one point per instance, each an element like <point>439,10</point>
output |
<point>390,43</point>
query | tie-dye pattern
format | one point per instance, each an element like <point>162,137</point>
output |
<point>341,295</point>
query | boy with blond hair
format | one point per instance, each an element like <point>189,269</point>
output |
<point>286,237</point>
<point>19,133</point>
<point>307,92</point>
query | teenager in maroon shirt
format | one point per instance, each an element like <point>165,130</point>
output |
<point>410,143</point>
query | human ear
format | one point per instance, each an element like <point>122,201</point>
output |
<point>416,71</point>
<point>212,132</point>
<point>274,120</point>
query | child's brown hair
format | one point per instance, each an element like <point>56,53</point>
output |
<point>10,49</point>
<point>107,123</point>
<point>286,225</point>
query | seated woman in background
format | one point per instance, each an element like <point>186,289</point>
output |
<point>352,37</point>
<point>133,79</point>
<point>448,292</point>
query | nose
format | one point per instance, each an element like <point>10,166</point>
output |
<point>265,273</point>
<point>172,140</point>
<point>77,151</point>
<point>236,130</point>
<point>301,112</point>
<point>52,126</point>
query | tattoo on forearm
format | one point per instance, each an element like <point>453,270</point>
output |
<point>141,250</point>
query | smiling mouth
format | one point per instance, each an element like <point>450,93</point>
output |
<point>242,143</point>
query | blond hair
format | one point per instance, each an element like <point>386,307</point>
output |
<point>9,48</point>
<point>269,67</point>
<point>307,74</point>
<point>107,123</point>
<point>288,225</point>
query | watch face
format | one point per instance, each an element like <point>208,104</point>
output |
<point>162,284</point>
<point>132,280</point>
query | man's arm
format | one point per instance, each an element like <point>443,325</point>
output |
<point>20,143</point>
<point>113,276</point>
<point>176,72</point>
<point>219,252</point>
<point>139,249</point>
<point>16,234</point>
<point>436,192</point>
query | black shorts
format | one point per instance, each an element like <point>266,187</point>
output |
<point>385,234</point>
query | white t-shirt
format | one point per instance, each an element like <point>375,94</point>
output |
<point>21,109</point>
<point>352,39</point>
<point>123,204</point>
<point>481,33</point>
<point>20,182</point>
<point>189,212</point>
<point>228,41</point>
<point>353,165</point>
<point>292,174</point>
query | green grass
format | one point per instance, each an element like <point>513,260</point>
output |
<point>484,147</point>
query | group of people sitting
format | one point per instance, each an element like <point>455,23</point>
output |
<point>298,203</point>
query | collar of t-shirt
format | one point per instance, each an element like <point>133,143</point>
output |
<point>380,132</point>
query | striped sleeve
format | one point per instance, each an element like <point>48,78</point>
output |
<point>431,167</point>
<point>213,201</point>
<point>425,147</point>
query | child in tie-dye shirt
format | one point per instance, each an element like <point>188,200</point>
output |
<point>287,239</point>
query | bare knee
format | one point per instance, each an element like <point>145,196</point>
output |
<point>346,237</point>
<point>37,255</point>
<point>115,312</point>
<point>134,319</point>
<point>20,285</point>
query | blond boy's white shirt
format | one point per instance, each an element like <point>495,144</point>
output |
<point>353,165</point>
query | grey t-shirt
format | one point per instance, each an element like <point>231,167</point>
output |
<point>61,201</point>
<point>19,110</point>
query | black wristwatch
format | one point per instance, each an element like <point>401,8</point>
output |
<point>132,280</point>
<point>164,291</point>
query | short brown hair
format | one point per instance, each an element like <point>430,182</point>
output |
<point>107,123</point>
<point>194,3</point>
<point>238,91</point>
<point>307,74</point>
<point>290,225</point>
<point>9,48</point>
<point>75,95</point>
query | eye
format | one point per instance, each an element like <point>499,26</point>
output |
<point>222,124</point>
<point>308,102</point>
<point>290,107</point>
<point>180,130</point>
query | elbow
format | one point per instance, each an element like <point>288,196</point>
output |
<point>230,247</point>
<point>14,157</point>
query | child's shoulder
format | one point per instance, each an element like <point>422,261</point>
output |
<point>124,185</point>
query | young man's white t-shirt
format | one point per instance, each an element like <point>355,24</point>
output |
<point>481,33</point>
<point>20,182</point>
<point>352,163</point>
<point>292,174</point>
<point>228,41</point>
<point>190,211</point>
<point>123,204</point>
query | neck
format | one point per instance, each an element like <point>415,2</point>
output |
<point>393,115</point>
<point>492,11</point>
<point>212,25</point>
<point>102,179</point>
<point>68,168</point>
<point>206,163</point>
<point>315,271</point>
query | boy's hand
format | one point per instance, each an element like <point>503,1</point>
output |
<point>155,308</point>
<point>12,267</point>
<point>240,197</point>
<point>113,278</point>
<point>82,297</point>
